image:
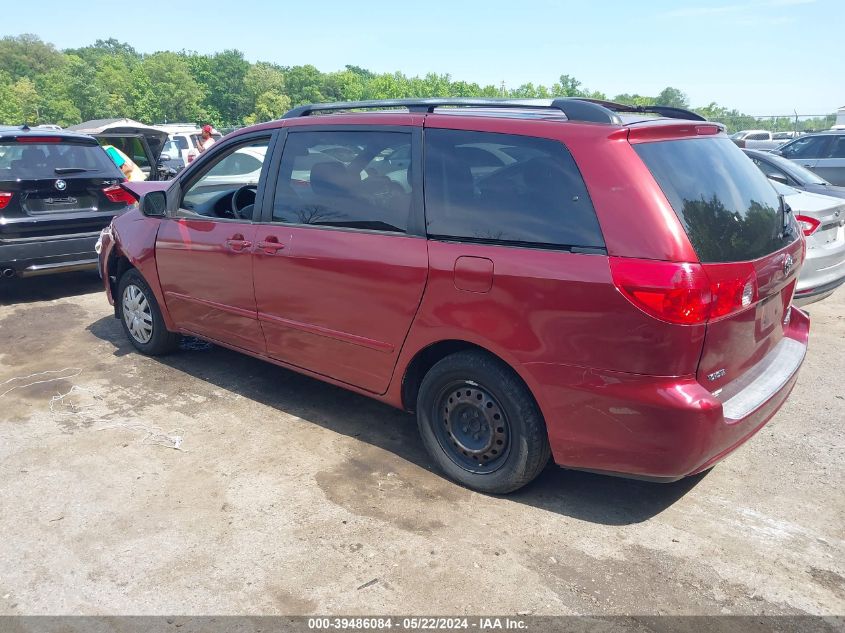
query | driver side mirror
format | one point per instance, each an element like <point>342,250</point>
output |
<point>777,177</point>
<point>154,204</point>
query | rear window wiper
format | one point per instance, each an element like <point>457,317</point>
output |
<point>71,170</point>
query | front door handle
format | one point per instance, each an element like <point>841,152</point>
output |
<point>270,246</point>
<point>237,243</point>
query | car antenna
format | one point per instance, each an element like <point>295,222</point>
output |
<point>25,127</point>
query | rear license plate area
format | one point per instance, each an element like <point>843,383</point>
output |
<point>769,313</point>
<point>58,204</point>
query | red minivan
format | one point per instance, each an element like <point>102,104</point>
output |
<point>604,284</point>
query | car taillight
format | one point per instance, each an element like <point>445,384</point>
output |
<point>685,293</point>
<point>116,193</point>
<point>807,224</point>
<point>5,199</point>
<point>733,287</point>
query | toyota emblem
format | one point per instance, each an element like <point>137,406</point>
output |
<point>787,264</point>
<point>61,185</point>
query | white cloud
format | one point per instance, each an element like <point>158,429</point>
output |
<point>739,8</point>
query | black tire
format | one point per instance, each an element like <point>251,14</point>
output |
<point>480,423</point>
<point>158,340</point>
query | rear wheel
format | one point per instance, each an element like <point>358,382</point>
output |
<point>480,423</point>
<point>141,316</point>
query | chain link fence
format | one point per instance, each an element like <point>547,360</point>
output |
<point>779,122</point>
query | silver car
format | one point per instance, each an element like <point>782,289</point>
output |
<point>822,219</point>
<point>823,153</point>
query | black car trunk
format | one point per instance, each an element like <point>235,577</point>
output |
<point>55,188</point>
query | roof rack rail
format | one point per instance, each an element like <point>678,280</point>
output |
<point>575,109</point>
<point>667,111</point>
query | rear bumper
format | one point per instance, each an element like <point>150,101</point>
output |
<point>662,428</point>
<point>823,272</point>
<point>49,255</point>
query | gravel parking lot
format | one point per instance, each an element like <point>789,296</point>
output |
<point>210,482</point>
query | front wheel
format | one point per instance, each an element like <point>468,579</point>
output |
<point>141,316</point>
<point>480,423</point>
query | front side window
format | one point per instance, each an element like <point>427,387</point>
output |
<point>228,188</point>
<point>503,188</point>
<point>806,147</point>
<point>356,180</point>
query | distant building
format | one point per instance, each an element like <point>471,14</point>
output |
<point>840,119</point>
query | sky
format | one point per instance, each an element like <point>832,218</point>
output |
<point>761,57</point>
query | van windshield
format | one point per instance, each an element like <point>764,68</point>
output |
<point>727,206</point>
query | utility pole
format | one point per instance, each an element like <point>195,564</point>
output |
<point>503,88</point>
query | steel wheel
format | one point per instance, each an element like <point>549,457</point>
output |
<point>472,427</point>
<point>137,314</point>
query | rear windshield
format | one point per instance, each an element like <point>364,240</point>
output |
<point>729,209</point>
<point>29,161</point>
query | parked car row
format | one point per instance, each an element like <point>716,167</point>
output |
<point>762,139</point>
<point>525,283</point>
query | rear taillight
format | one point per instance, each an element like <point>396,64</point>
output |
<point>116,193</point>
<point>685,293</point>
<point>5,199</point>
<point>808,225</point>
<point>733,287</point>
<point>677,293</point>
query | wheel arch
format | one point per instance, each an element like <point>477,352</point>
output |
<point>424,359</point>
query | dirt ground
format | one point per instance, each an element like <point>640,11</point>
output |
<point>209,482</point>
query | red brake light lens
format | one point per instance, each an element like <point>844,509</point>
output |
<point>733,287</point>
<point>685,293</point>
<point>116,193</point>
<point>807,224</point>
<point>39,139</point>
<point>677,293</point>
<point>5,199</point>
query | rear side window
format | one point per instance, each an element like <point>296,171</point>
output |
<point>357,180</point>
<point>53,160</point>
<point>729,209</point>
<point>503,188</point>
<point>837,149</point>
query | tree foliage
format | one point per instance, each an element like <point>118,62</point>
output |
<point>110,79</point>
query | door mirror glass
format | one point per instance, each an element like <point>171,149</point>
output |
<point>154,204</point>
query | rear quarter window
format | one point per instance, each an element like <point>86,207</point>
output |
<point>728,208</point>
<point>502,188</point>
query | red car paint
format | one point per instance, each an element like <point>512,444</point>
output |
<point>620,391</point>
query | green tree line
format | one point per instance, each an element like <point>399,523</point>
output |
<point>109,79</point>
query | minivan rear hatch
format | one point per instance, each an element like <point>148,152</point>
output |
<point>747,241</point>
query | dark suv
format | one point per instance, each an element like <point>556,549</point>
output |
<point>57,191</point>
<point>563,277</point>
